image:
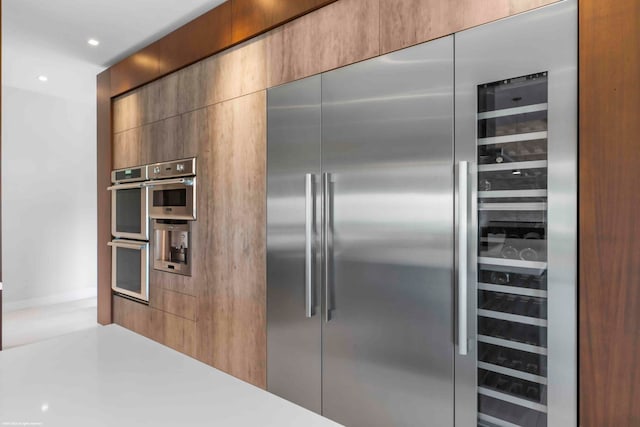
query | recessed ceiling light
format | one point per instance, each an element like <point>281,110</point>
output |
<point>43,78</point>
<point>93,42</point>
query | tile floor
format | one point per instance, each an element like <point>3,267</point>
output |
<point>31,325</point>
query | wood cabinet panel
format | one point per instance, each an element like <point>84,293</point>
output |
<point>127,149</point>
<point>131,315</point>
<point>202,37</point>
<point>240,70</point>
<point>175,282</point>
<point>231,330</point>
<point>339,34</point>
<point>167,329</point>
<point>127,112</point>
<point>135,70</point>
<point>195,86</point>
<point>251,17</point>
<point>609,252</point>
<point>517,6</point>
<point>408,22</point>
<point>196,141</point>
<point>230,23</point>
<point>159,99</point>
<point>103,180</point>
<point>176,303</point>
<point>161,141</point>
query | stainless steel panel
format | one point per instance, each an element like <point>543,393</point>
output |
<point>293,150</point>
<point>387,133</point>
<point>537,41</point>
<point>174,168</point>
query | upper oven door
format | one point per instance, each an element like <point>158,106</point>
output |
<point>173,198</point>
<point>129,217</point>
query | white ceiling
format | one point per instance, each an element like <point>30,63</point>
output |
<point>49,37</point>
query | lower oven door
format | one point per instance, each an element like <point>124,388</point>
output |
<point>130,268</point>
<point>172,198</point>
<point>129,217</point>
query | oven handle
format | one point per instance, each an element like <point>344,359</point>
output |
<point>125,245</point>
<point>125,186</point>
<point>185,181</point>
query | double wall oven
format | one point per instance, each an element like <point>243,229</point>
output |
<point>130,229</point>
<point>164,192</point>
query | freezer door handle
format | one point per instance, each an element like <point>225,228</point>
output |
<point>326,240</point>
<point>308,244</point>
<point>463,202</point>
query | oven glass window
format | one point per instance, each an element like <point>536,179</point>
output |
<point>129,269</point>
<point>175,197</point>
<point>128,210</point>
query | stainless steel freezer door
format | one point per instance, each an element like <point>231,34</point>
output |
<point>509,51</point>
<point>293,157</point>
<point>387,154</point>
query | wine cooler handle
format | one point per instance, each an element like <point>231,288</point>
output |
<point>463,201</point>
<point>326,200</point>
<point>308,244</point>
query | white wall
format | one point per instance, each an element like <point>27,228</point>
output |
<point>48,197</point>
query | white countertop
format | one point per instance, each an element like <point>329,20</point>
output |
<point>109,376</point>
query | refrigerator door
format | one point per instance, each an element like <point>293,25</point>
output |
<point>387,158</point>
<point>293,283</point>
<point>516,125</point>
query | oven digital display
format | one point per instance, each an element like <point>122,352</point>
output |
<point>170,198</point>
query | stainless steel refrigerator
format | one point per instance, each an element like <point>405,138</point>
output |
<point>421,231</point>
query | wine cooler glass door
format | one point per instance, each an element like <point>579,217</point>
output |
<point>516,125</point>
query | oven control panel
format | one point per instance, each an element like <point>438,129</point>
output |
<point>175,168</point>
<point>121,176</point>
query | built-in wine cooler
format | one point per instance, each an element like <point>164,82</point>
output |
<point>512,294</point>
<point>516,147</point>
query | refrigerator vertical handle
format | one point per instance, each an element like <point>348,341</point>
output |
<point>326,200</point>
<point>308,244</point>
<point>463,204</point>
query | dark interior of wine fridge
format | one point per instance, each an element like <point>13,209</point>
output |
<point>512,252</point>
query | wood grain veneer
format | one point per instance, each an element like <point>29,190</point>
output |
<point>336,35</point>
<point>173,331</point>
<point>228,24</point>
<point>103,170</point>
<point>162,141</point>
<point>176,303</point>
<point>127,148</point>
<point>408,22</point>
<point>202,37</point>
<point>127,112</point>
<point>231,328</point>
<point>199,38</point>
<point>609,204</point>
<point>251,17</point>
<point>135,70</point>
